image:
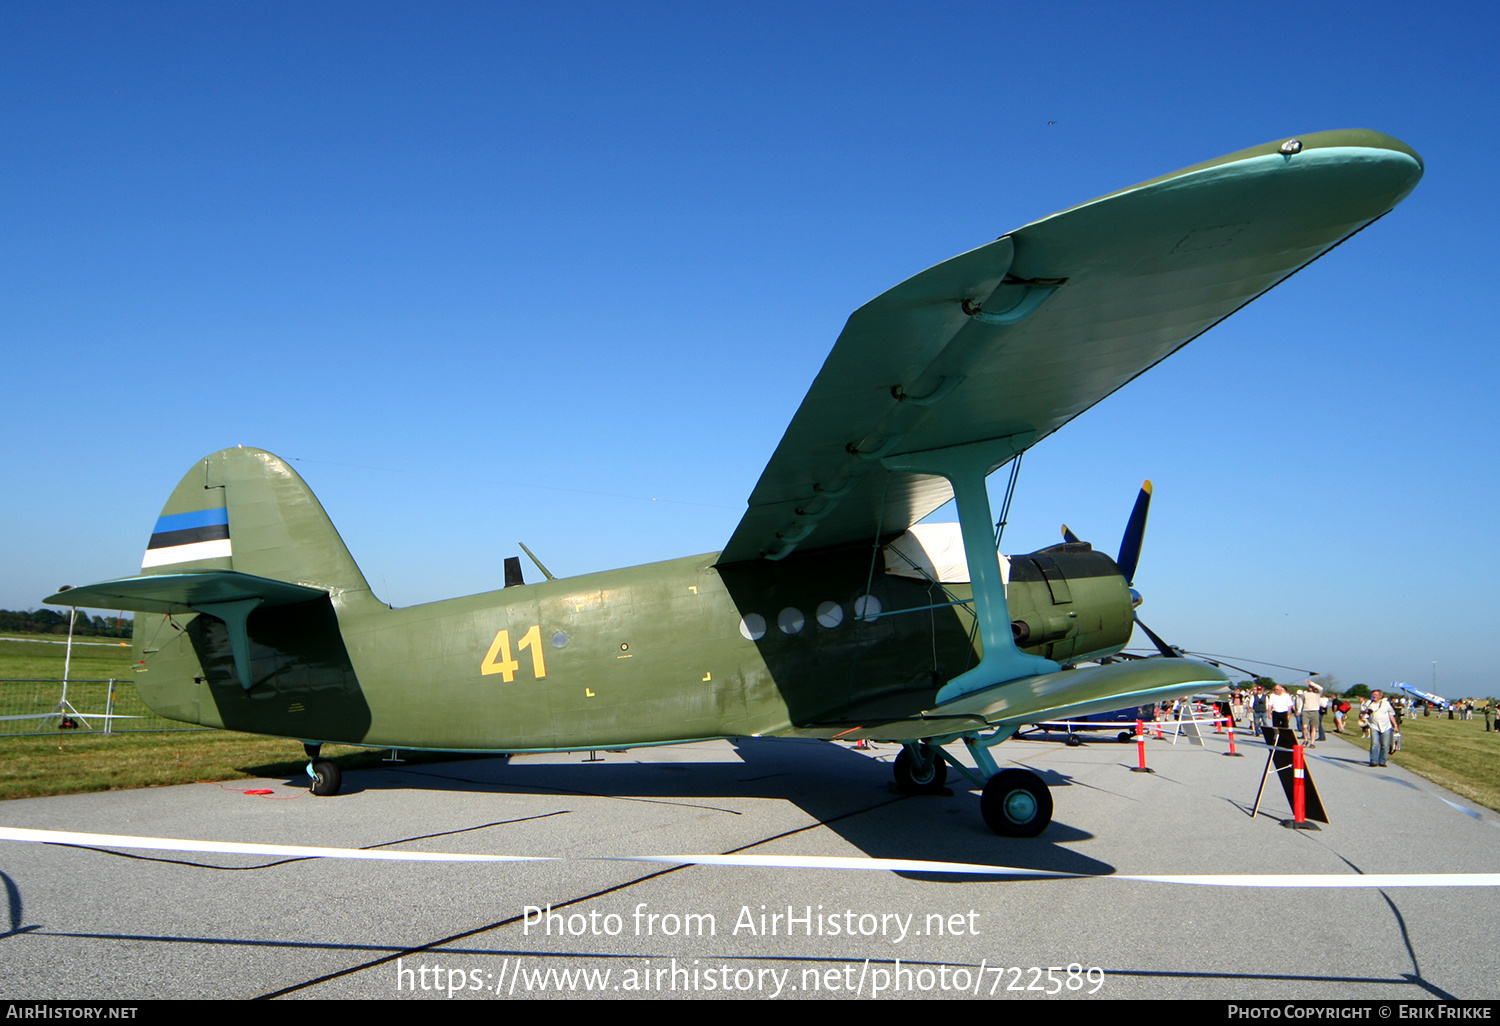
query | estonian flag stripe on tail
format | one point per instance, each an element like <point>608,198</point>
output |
<point>197,518</point>
<point>184,537</point>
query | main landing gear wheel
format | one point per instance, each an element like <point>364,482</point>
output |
<point>1073,741</point>
<point>1016,803</point>
<point>326,777</point>
<point>926,775</point>
<point>1126,737</point>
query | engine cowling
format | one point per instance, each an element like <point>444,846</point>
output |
<point>1069,603</point>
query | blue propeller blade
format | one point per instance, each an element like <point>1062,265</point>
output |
<point>1135,532</point>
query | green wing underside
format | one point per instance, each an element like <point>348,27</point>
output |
<point>1062,695</point>
<point>1020,336</point>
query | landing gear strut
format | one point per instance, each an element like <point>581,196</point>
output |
<point>1014,802</point>
<point>324,773</point>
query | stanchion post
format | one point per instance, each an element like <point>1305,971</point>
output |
<point>1229,727</point>
<point>1299,785</point>
<point>1140,747</point>
<point>1299,792</point>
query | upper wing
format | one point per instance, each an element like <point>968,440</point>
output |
<point>1020,336</point>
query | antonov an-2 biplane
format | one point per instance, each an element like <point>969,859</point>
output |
<point>831,612</point>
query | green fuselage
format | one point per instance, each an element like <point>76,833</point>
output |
<point>670,651</point>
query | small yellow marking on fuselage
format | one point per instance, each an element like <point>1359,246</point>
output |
<point>708,676</point>
<point>693,588</point>
<point>627,655</point>
<point>587,693</point>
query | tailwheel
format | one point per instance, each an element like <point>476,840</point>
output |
<point>1016,803</point>
<point>326,777</point>
<point>922,771</point>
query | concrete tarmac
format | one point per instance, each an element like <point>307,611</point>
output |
<point>117,923</point>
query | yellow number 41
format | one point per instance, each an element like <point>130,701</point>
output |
<point>498,659</point>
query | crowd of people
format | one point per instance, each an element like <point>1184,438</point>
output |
<point>1377,716</point>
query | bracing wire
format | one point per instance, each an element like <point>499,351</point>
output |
<point>1010,493</point>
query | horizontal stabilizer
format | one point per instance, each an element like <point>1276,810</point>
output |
<point>184,593</point>
<point>226,594</point>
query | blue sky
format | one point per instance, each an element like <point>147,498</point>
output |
<point>562,273</point>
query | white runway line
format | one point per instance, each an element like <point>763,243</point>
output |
<point>822,862</point>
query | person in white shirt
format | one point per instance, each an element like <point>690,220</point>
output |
<point>1280,704</point>
<point>1382,728</point>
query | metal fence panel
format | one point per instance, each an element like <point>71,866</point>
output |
<point>40,706</point>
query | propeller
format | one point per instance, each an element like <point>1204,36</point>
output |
<point>1161,646</point>
<point>1130,557</point>
<point>1135,533</point>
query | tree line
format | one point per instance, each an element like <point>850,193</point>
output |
<point>53,621</point>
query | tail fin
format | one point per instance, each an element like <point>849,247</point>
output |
<point>242,535</point>
<point>248,511</point>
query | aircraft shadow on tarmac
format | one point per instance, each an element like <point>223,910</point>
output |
<point>845,791</point>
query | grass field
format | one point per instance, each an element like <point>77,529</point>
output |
<point>1456,754</point>
<point>73,763</point>
<point>68,762</point>
<point>42,655</point>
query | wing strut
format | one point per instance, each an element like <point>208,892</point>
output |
<point>966,467</point>
<point>235,616</point>
<point>1010,493</point>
